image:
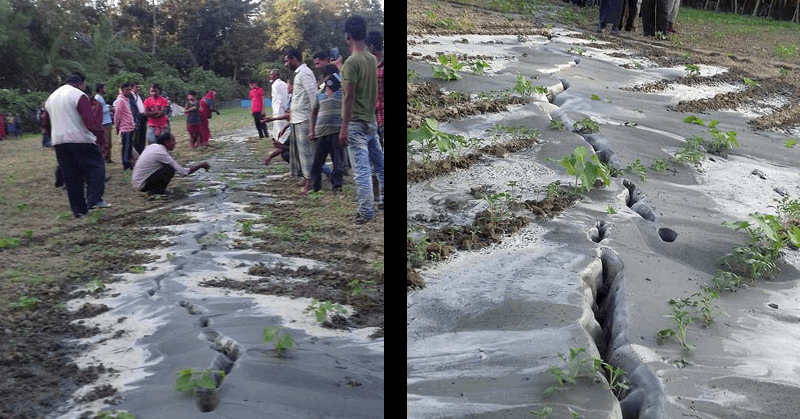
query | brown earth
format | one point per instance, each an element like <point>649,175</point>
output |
<point>53,260</point>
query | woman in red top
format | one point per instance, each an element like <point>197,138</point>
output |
<point>155,107</point>
<point>206,108</point>
<point>257,106</point>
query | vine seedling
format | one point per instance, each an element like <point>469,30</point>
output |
<point>586,171</point>
<point>321,309</point>
<point>281,342</point>
<point>189,379</point>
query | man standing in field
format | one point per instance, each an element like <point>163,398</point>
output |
<point>359,130</point>
<point>303,98</point>
<point>155,108</point>
<point>71,122</point>
<point>257,106</point>
<point>123,120</point>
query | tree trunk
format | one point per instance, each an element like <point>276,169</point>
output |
<point>755,9</point>
<point>155,29</point>
<point>796,12</point>
<point>706,5</point>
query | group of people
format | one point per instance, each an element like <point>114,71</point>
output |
<point>10,125</point>
<point>341,117</point>
<point>78,126</point>
<point>657,15</point>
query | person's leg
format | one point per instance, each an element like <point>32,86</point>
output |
<point>294,159</point>
<point>127,145</point>
<point>339,162</point>
<point>73,177</point>
<point>357,137</point>
<point>306,149</point>
<point>94,167</point>
<point>376,161</point>
<point>320,156</point>
<point>257,121</point>
<point>109,144</point>
<point>158,181</point>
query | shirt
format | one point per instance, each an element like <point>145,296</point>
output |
<point>280,100</point>
<point>329,111</point>
<point>152,158</point>
<point>304,95</point>
<point>257,99</point>
<point>106,110</point>
<point>123,117</point>
<point>361,69</point>
<point>193,116</point>
<point>70,116</point>
<point>156,104</point>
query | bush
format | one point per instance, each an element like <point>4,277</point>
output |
<point>24,106</point>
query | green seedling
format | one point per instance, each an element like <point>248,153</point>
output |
<point>429,136</point>
<point>610,210</point>
<point>586,126</point>
<point>682,320</point>
<point>281,341</point>
<point>586,171</point>
<point>692,70</point>
<point>361,287</point>
<point>544,412</point>
<point>615,376</point>
<point>447,68</point>
<point>189,379</point>
<point>24,303</point>
<point>479,67</point>
<point>576,50</point>
<point>114,415</point>
<point>575,367</point>
<point>693,119</point>
<point>321,309</point>
<point>749,82</point>
<point>95,286</point>
<point>9,243</point>
<point>523,86</point>
<point>557,124</point>
<point>692,151</point>
<point>660,165</point>
<point>138,269</point>
<point>790,143</point>
<point>637,168</point>
<point>595,97</point>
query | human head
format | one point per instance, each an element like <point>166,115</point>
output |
<point>333,84</point>
<point>253,85</point>
<point>125,89</point>
<point>191,95</point>
<point>155,90</point>
<point>167,140</point>
<point>274,75</point>
<point>211,94</point>
<point>100,88</point>
<point>135,87</point>
<point>355,28</point>
<point>292,59</point>
<point>77,79</point>
<point>321,60</point>
<point>374,42</point>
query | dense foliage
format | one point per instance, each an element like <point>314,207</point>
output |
<point>181,44</point>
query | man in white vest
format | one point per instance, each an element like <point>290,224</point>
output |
<point>71,122</point>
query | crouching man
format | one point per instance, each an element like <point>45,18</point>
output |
<point>155,167</point>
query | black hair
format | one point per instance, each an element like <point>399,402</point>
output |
<point>321,55</point>
<point>375,40</point>
<point>356,27</point>
<point>76,78</point>
<point>163,138</point>
<point>192,92</point>
<point>125,84</point>
<point>293,52</point>
<point>156,86</point>
<point>99,86</point>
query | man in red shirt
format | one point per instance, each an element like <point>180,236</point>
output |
<point>257,106</point>
<point>155,108</point>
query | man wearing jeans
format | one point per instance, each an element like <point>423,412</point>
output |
<point>71,122</point>
<point>359,130</point>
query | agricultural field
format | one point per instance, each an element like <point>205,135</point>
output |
<point>600,226</point>
<point>232,281</point>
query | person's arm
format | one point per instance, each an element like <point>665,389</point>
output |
<point>46,122</point>
<point>312,121</point>
<point>203,165</point>
<point>347,110</point>
<point>87,114</point>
